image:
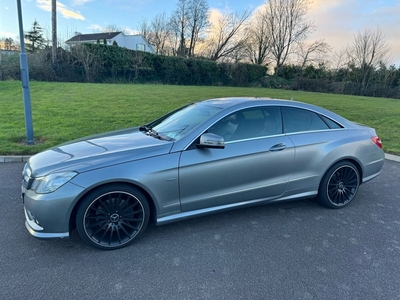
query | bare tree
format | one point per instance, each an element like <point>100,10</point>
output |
<point>227,35</point>
<point>259,40</point>
<point>287,25</point>
<point>159,33</point>
<point>160,30</point>
<point>54,31</point>
<point>313,53</point>
<point>9,44</point>
<point>173,39</point>
<point>179,22</point>
<point>339,60</point>
<point>145,30</point>
<point>197,22</point>
<point>112,28</point>
<point>187,22</point>
<point>89,61</point>
<point>368,51</point>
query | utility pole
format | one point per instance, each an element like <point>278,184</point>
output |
<point>25,81</point>
<point>54,30</point>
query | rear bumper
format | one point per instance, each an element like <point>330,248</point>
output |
<point>373,168</point>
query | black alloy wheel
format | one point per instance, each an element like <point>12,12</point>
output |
<point>339,185</point>
<point>112,217</point>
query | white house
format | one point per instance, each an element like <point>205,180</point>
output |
<point>133,42</point>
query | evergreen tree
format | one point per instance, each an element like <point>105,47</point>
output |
<point>35,38</point>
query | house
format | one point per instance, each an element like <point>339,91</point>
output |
<point>132,42</point>
<point>9,52</point>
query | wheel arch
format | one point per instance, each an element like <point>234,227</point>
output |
<point>340,192</point>
<point>358,166</point>
<point>150,200</point>
<point>354,161</point>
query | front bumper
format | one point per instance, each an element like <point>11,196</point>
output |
<point>48,215</point>
<point>35,230</point>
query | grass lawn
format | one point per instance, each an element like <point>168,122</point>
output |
<point>65,111</point>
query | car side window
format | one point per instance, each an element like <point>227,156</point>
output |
<point>332,124</point>
<point>298,120</point>
<point>249,123</point>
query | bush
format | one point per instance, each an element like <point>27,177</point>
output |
<point>202,71</point>
<point>276,82</point>
<point>175,71</point>
<point>9,67</point>
<point>240,74</point>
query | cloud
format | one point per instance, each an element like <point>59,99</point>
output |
<point>130,31</point>
<point>338,21</point>
<point>126,30</point>
<point>214,16</point>
<point>95,27</point>
<point>9,34</point>
<point>61,8</point>
<point>131,5</point>
<point>79,2</point>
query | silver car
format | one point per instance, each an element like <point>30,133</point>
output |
<point>203,158</point>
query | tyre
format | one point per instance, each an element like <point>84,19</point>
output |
<point>339,185</point>
<point>112,216</point>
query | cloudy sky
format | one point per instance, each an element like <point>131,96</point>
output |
<point>337,21</point>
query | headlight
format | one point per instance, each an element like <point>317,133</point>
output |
<point>50,183</point>
<point>26,174</point>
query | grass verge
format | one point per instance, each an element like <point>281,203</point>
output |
<point>65,111</point>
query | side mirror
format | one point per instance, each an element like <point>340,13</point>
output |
<point>211,140</point>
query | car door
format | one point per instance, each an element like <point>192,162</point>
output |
<point>314,137</point>
<point>254,165</point>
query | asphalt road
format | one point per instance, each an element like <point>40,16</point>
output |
<point>293,250</point>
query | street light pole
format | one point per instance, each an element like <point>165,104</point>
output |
<point>25,81</point>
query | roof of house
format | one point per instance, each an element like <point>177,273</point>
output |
<point>93,36</point>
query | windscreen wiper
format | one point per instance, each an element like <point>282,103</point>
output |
<point>151,132</point>
<point>144,128</point>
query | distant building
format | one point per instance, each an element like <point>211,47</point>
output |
<point>132,42</point>
<point>9,52</point>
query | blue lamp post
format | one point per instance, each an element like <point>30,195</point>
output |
<point>25,81</point>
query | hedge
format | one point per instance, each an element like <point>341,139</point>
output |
<point>102,63</point>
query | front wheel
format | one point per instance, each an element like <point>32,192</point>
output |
<point>112,216</point>
<point>339,185</point>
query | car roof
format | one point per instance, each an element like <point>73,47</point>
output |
<point>249,101</point>
<point>233,101</point>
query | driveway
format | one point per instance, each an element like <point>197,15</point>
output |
<point>293,250</point>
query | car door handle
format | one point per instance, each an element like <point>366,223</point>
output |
<point>278,147</point>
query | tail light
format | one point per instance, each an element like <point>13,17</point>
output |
<point>377,141</point>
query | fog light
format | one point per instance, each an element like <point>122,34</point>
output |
<point>32,221</point>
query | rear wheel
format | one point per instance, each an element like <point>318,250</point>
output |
<point>339,185</point>
<point>112,216</point>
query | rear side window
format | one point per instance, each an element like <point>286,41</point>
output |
<point>332,124</point>
<point>298,120</point>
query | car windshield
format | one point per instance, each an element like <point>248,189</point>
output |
<point>178,123</point>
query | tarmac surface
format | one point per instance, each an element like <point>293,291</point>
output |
<point>291,250</point>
